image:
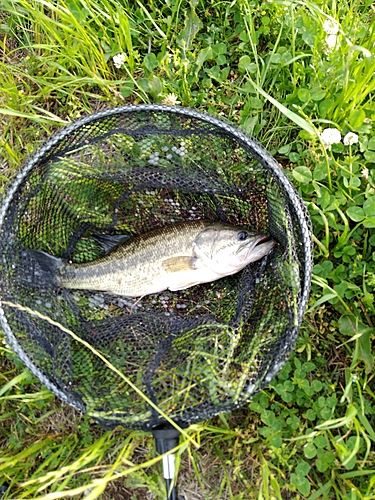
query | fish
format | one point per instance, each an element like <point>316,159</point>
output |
<point>173,257</point>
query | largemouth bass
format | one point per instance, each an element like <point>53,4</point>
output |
<point>173,257</point>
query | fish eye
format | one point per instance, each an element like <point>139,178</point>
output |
<point>242,236</point>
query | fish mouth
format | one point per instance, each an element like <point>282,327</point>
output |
<point>258,248</point>
<point>264,242</point>
<point>264,239</point>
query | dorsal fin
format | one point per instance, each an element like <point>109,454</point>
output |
<point>110,241</point>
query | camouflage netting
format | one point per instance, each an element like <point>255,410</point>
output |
<point>193,353</point>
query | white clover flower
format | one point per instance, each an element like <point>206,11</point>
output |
<point>330,136</point>
<point>171,100</point>
<point>6,344</point>
<point>331,27</point>
<point>365,173</point>
<point>331,42</point>
<point>119,60</point>
<point>350,138</point>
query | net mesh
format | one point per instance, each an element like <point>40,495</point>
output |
<point>192,353</point>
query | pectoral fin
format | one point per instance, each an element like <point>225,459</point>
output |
<point>179,264</point>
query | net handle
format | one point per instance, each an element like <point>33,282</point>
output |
<point>167,438</point>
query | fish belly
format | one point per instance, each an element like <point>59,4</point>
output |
<point>187,279</point>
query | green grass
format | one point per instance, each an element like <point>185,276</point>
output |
<point>267,67</point>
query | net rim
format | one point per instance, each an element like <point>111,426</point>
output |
<point>244,140</point>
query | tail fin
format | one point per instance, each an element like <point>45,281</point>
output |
<point>49,264</point>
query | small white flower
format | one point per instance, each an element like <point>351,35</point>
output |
<point>365,173</point>
<point>6,345</point>
<point>171,100</point>
<point>331,41</point>
<point>350,138</point>
<point>331,27</point>
<point>330,136</point>
<point>119,60</point>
